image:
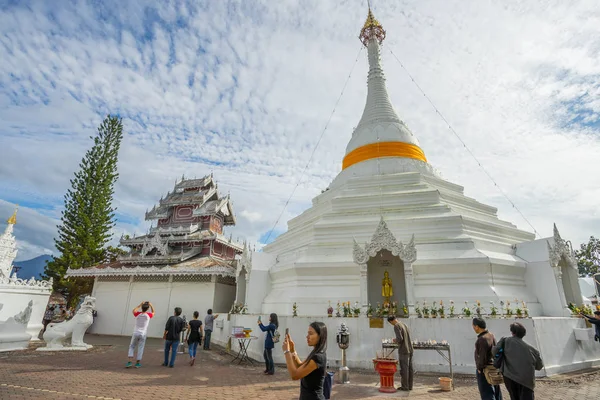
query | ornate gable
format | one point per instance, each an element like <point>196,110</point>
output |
<point>383,239</point>
<point>561,249</point>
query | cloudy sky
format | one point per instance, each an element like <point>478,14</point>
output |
<point>244,89</point>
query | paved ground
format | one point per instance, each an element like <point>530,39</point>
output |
<point>100,374</point>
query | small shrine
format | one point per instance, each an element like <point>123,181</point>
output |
<point>22,301</point>
<point>185,260</point>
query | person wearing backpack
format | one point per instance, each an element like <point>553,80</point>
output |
<point>271,338</point>
<point>519,362</point>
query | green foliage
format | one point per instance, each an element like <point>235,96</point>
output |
<point>588,257</point>
<point>88,217</point>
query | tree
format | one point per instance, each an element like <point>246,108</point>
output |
<point>88,217</point>
<point>588,257</point>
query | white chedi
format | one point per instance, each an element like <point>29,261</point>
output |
<point>74,328</point>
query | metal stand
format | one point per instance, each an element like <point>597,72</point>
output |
<point>242,355</point>
<point>344,371</point>
<point>343,341</point>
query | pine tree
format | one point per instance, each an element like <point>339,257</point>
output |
<point>88,217</point>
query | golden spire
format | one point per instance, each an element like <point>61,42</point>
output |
<point>371,21</point>
<point>371,29</point>
<point>13,218</point>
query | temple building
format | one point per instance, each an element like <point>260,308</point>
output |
<point>390,229</point>
<point>185,260</point>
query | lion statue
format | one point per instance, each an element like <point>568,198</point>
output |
<point>74,328</point>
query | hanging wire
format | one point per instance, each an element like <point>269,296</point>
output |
<point>464,144</point>
<point>315,148</point>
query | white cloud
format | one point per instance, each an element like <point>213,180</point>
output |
<point>251,216</point>
<point>245,91</point>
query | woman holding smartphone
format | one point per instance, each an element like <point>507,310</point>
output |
<point>269,344</point>
<point>312,369</point>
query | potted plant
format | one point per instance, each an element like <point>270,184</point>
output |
<point>404,310</point>
<point>493,310</point>
<point>418,310</point>
<point>478,309</point>
<point>518,310</point>
<point>509,312</point>
<point>425,310</point>
<point>356,309</point>
<point>370,311</point>
<point>434,310</point>
<point>466,310</point>
<point>451,308</point>
<point>394,310</point>
<point>442,309</point>
<point>525,310</point>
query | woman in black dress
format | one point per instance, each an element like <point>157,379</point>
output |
<point>312,370</point>
<point>194,336</point>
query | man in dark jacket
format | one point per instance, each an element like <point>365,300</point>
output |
<point>405,353</point>
<point>520,363</point>
<point>596,322</point>
<point>175,325</point>
<point>483,357</point>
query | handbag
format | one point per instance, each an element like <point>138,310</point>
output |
<point>493,376</point>
<point>327,385</point>
<point>275,336</point>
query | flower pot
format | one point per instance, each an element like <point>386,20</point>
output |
<point>445,384</point>
<point>386,369</point>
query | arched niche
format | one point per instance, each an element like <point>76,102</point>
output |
<point>400,258</point>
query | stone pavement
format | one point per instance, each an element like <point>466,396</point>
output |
<point>100,374</point>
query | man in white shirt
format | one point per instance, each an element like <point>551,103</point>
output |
<point>142,319</point>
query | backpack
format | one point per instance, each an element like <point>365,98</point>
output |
<point>275,336</point>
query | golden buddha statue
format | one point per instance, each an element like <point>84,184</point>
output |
<point>386,286</point>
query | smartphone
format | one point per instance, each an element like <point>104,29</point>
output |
<point>287,331</point>
<point>259,318</point>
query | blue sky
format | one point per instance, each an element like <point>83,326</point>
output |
<point>244,89</point>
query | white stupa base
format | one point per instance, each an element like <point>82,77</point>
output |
<point>13,343</point>
<point>544,333</point>
<point>66,348</point>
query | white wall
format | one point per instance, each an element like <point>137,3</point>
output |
<point>552,336</point>
<point>258,286</point>
<point>112,301</point>
<point>540,277</point>
<point>223,298</point>
<point>116,300</point>
<point>560,351</point>
<point>15,300</point>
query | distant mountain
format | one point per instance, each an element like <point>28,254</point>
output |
<point>32,268</point>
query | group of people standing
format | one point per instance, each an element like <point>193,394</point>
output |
<point>510,360</point>
<point>172,335</point>
<point>515,359</point>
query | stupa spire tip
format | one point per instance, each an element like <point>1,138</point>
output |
<point>372,29</point>
<point>13,218</point>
